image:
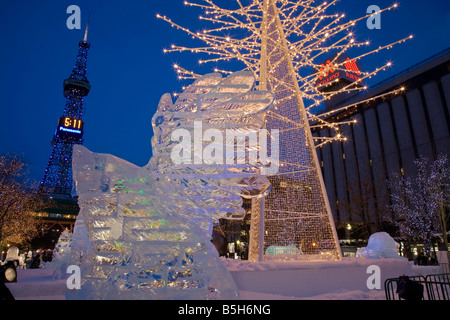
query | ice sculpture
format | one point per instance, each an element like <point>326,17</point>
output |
<point>380,245</point>
<point>63,247</point>
<point>61,255</point>
<point>286,250</point>
<point>150,226</point>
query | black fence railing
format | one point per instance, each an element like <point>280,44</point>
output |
<point>431,287</point>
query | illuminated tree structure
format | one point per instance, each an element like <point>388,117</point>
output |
<point>57,178</point>
<point>293,48</point>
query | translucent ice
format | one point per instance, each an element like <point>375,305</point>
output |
<point>380,245</point>
<point>63,246</point>
<point>290,249</point>
<point>61,255</point>
<point>150,227</point>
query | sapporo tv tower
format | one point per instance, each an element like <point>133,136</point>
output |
<point>58,175</point>
<point>57,182</point>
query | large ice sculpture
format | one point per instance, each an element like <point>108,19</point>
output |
<point>380,245</point>
<point>150,226</point>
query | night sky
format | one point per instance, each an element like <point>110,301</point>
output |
<point>129,72</point>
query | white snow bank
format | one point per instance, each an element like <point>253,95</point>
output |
<point>350,295</point>
<point>37,284</point>
<point>425,270</point>
<point>312,279</point>
<point>245,265</point>
<point>337,295</point>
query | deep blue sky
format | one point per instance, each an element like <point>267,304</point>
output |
<point>129,72</point>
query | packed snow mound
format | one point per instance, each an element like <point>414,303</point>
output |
<point>381,245</point>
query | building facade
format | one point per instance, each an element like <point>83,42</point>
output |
<point>389,134</point>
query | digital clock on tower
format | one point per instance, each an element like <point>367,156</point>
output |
<point>70,128</point>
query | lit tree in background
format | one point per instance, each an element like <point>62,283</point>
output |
<point>286,45</point>
<point>417,201</point>
<point>18,203</point>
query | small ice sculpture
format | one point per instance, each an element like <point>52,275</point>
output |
<point>150,227</point>
<point>380,245</point>
<point>63,246</point>
<point>290,249</point>
<point>61,255</point>
<point>12,255</point>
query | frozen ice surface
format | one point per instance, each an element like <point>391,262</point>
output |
<point>380,245</point>
<point>150,227</point>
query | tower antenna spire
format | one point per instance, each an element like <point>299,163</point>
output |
<point>87,28</point>
<point>86,32</point>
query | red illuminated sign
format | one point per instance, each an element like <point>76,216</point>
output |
<point>332,70</point>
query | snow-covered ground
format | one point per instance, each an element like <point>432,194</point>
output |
<point>337,295</point>
<point>343,280</point>
<point>322,280</point>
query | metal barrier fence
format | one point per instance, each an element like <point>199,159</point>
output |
<point>436,287</point>
<point>390,286</point>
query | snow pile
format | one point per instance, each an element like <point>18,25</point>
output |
<point>37,284</point>
<point>350,295</point>
<point>337,295</point>
<point>238,265</point>
<point>302,279</point>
